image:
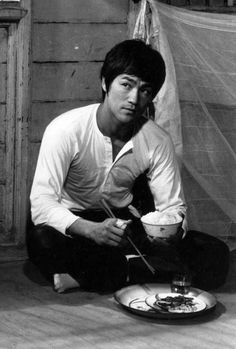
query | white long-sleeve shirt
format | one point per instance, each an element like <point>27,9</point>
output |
<point>75,169</point>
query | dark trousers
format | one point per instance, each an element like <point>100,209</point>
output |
<point>105,268</point>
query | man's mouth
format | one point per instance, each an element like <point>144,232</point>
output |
<point>130,110</point>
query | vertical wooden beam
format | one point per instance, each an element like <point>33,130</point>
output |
<point>10,128</point>
<point>22,117</point>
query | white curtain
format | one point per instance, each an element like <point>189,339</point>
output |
<point>166,103</point>
<point>197,106</point>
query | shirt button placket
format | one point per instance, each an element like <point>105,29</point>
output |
<point>108,161</point>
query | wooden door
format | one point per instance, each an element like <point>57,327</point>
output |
<point>14,113</point>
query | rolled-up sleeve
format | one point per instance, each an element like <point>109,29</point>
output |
<point>165,180</point>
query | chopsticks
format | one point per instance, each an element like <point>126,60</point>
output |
<point>111,215</point>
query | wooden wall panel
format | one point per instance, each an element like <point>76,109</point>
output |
<point>70,40</point>
<point>80,10</point>
<point>2,122</point>
<point>3,45</point>
<point>56,82</point>
<point>43,113</point>
<point>3,80</point>
<point>2,195</point>
<point>33,155</point>
<point>2,164</point>
<point>75,42</point>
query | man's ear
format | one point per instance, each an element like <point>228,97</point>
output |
<point>104,85</point>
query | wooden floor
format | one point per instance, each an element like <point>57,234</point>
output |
<point>34,316</point>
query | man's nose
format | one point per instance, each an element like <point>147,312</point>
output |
<point>133,95</point>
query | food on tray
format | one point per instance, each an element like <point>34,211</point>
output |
<point>141,300</point>
<point>157,217</point>
<point>175,303</point>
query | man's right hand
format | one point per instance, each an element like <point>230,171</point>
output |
<point>110,232</point>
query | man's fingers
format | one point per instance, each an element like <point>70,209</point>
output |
<point>122,224</point>
<point>114,231</point>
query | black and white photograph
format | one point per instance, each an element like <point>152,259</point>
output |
<point>117,174</point>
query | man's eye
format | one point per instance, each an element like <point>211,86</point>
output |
<point>126,84</point>
<point>147,92</point>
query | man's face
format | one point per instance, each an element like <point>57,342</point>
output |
<point>128,97</point>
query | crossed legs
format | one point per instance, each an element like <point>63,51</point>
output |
<point>81,262</point>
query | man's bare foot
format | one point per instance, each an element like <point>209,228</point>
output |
<point>63,282</point>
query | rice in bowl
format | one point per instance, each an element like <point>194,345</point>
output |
<point>161,224</point>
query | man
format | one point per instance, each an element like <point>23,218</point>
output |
<point>99,152</point>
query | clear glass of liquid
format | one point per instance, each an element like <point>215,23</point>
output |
<point>181,283</point>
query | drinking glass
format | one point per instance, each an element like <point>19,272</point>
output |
<point>181,283</point>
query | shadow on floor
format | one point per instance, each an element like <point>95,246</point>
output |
<point>33,274</point>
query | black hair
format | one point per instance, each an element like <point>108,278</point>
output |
<point>134,57</point>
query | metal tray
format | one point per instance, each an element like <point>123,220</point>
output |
<point>133,298</point>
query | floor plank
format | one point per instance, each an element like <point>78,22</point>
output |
<point>34,316</point>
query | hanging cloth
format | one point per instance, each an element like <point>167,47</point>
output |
<point>203,47</point>
<point>166,102</point>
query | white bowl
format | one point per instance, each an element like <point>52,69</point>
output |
<point>160,230</point>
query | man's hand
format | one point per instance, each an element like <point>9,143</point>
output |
<point>110,232</point>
